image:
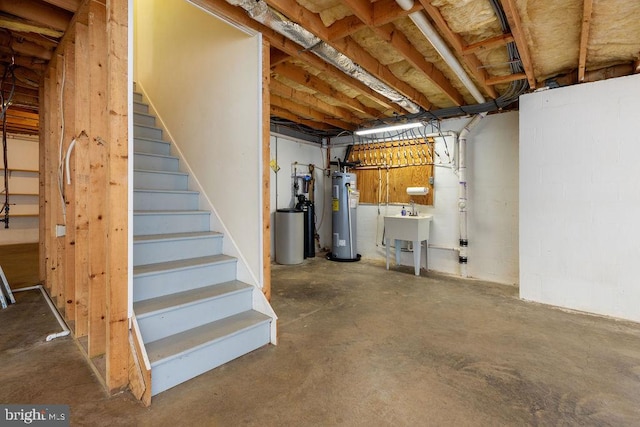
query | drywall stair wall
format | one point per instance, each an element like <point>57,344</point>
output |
<point>192,312</point>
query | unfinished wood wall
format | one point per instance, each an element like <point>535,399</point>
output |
<point>84,98</point>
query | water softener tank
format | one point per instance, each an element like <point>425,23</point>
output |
<point>345,197</point>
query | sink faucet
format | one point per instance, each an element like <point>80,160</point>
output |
<point>413,208</point>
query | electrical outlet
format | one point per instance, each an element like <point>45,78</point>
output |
<point>61,230</point>
<point>431,180</point>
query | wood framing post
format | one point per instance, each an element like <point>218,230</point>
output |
<point>266,174</point>
<point>97,67</point>
<point>117,197</point>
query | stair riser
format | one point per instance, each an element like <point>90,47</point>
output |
<point>137,97</point>
<point>201,360</point>
<point>170,282</point>
<point>145,224</point>
<point>160,181</point>
<point>144,119</point>
<point>148,201</point>
<point>155,163</point>
<point>152,147</point>
<point>173,250</point>
<point>146,132</point>
<point>139,107</point>
<point>178,320</point>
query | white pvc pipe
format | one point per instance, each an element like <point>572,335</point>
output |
<point>462,189</point>
<point>66,160</point>
<point>441,47</point>
<point>54,310</point>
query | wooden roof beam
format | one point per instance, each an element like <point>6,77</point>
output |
<point>238,15</point>
<point>37,11</point>
<point>285,114</point>
<point>305,98</point>
<point>25,48</point>
<point>517,30</point>
<point>455,40</point>
<point>309,113</point>
<point>584,38</point>
<point>490,43</point>
<point>302,77</point>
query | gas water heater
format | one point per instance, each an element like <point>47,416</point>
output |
<point>345,198</point>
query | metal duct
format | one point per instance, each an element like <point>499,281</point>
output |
<point>261,12</point>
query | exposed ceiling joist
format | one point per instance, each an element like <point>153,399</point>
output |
<point>285,114</point>
<point>517,30</point>
<point>506,79</point>
<point>302,77</point>
<point>238,15</point>
<point>350,48</point>
<point>19,25</point>
<point>276,56</point>
<point>38,12</point>
<point>387,11</point>
<point>364,11</point>
<point>584,38</point>
<point>471,60</point>
<point>309,113</point>
<point>70,5</point>
<point>490,43</point>
<point>305,98</point>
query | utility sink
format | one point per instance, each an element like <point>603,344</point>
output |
<point>412,228</point>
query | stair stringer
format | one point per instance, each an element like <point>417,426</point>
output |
<point>243,273</point>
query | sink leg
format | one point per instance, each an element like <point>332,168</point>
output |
<point>387,243</point>
<point>416,256</point>
<point>397,252</point>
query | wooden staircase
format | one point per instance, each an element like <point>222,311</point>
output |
<point>192,313</point>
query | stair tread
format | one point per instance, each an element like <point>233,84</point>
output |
<point>175,236</point>
<point>163,303</point>
<point>179,264</point>
<point>144,114</point>
<point>175,345</point>
<point>146,126</point>
<point>153,190</point>
<point>164,156</point>
<point>151,139</point>
<point>170,212</point>
<point>156,171</point>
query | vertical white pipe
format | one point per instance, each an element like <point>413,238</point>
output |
<point>462,190</point>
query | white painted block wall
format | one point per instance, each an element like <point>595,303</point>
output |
<point>493,201</point>
<point>492,166</point>
<point>580,204</point>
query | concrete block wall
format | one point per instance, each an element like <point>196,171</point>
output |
<point>580,204</point>
<point>492,168</point>
<point>492,162</point>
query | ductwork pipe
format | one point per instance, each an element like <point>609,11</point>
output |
<point>423,24</point>
<point>462,190</point>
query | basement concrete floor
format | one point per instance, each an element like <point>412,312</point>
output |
<point>362,346</point>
